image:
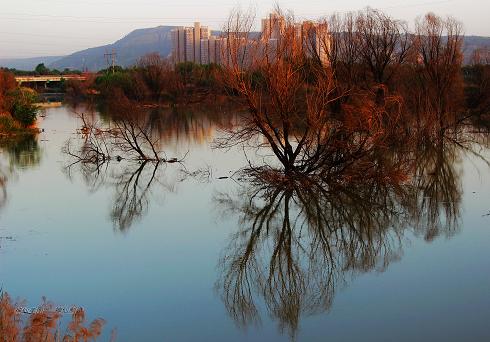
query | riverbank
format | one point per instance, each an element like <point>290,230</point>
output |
<point>11,130</point>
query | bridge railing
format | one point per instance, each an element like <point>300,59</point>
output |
<point>49,78</point>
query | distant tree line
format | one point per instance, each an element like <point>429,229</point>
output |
<point>154,79</point>
<point>41,69</point>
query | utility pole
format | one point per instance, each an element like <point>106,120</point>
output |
<point>112,56</point>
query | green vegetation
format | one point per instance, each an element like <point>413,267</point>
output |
<point>23,108</point>
<point>41,69</point>
<point>477,88</point>
<point>17,107</point>
<point>154,79</point>
<point>120,81</point>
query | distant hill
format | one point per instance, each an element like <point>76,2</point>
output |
<point>128,49</point>
<point>471,43</point>
<point>27,63</point>
<point>143,41</point>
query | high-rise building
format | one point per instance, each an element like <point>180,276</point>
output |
<point>205,32</point>
<point>204,50</point>
<point>196,44</point>
<point>212,50</point>
<point>315,40</point>
<point>178,45</point>
<point>311,38</point>
<point>191,44</point>
<point>273,26</point>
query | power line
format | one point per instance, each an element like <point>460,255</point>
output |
<point>48,35</point>
<point>153,21</point>
<point>398,6</point>
<point>112,19</point>
<point>34,43</point>
<point>112,56</point>
<point>105,17</point>
<point>119,4</point>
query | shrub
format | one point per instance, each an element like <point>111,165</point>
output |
<point>23,108</point>
<point>42,325</point>
<point>8,124</point>
<point>110,83</point>
<point>7,84</point>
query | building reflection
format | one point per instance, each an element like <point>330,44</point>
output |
<point>197,125</point>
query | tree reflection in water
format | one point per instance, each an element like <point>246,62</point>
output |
<point>132,192</point>
<point>22,152</point>
<point>299,240</point>
<point>98,156</point>
<point>437,177</point>
<point>134,186</point>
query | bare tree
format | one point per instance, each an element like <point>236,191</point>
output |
<point>342,48</point>
<point>289,92</point>
<point>477,82</point>
<point>159,76</point>
<point>481,56</point>
<point>384,44</point>
<point>438,43</point>
<point>129,136</point>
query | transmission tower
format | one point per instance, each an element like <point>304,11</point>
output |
<point>112,57</point>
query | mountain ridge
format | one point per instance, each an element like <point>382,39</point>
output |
<point>128,50</point>
<point>142,41</point>
<point>27,63</point>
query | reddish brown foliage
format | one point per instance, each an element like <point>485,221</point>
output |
<point>43,325</point>
<point>7,84</point>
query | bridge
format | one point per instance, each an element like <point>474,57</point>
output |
<point>47,79</point>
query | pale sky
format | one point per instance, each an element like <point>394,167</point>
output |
<point>30,28</point>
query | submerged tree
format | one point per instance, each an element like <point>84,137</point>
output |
<point>289,91</point>
<point>384,44</point>
<point>438,44</point>
<point>123,155</point>
<point>129,136</point>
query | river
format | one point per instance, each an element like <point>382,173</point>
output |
<point>158,252</point>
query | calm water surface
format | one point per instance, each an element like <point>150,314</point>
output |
<point>161,258</point>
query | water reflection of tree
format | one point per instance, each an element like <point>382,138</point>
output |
<point>134,186</point>
<point>104,155</point>
<point>23,151</point>
<point>437,179</point>
<point>298,241</point>
<point>301,239</point>
<point>132,192</point>
<point>176,124</point>
<point>188,125</point>
<point>20,153</point>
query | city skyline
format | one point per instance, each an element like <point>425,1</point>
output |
<point>26,28</point>
<point>196,44</point>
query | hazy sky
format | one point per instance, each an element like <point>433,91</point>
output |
<point>57,27</point>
